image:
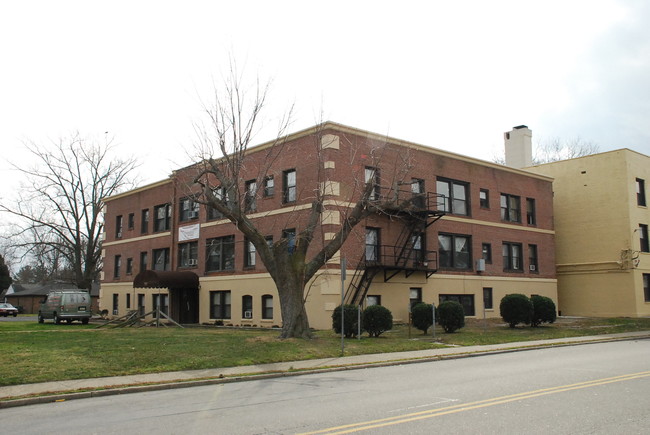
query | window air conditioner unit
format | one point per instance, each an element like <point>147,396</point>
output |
<point>191,262</point>
<point>248,314</point>
<point>532,267</point>
<point>119,235</point>
<point>480,265</point>
<point>194,214</point>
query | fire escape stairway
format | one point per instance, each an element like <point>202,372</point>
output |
<point>360,283</point>
<point>416,221</point>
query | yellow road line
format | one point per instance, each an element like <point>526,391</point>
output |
<point>382,422</point>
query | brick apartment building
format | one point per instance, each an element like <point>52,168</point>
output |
<point>476,232</point>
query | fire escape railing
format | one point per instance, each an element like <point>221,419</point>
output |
<point>418,211</point>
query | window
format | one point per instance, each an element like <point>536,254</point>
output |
<point>131,221</point>
<point>372,176</point>
<point>372,244</point>
<point>290,235</point>
<point>487,298</point>
<point>141,303</point>
<point>531,219</point>
<point>418,254</point>
<point>267,307</point>
<point>189,209</point>
<point>161,302</point>
<point>128,301</point>
<point>646,287</point>
<point>118,227</point>
<point>415,296</point>
<point>533,266</point>
<point>117,265</point>
<point>161,259</point>
<point>162,217</point>
<point>220,254</point>
<point>454,196</point>
<point>188,254</point>
<point>467,301</point>
<point>454,251</point>
<point>373,300</point>
<point>289,186</point>
<point>643,238</point>
<point>269,186</point>
<point>484,198</point>
<point>116,304</point>
<point>144,224</point>
<point>249,254</point>
<point>213,213</point>
<point>143,261</point>
<point>220,304</point>
<point>417,189</point>
<point>640,192</point>
<point>510,208</point>
<point>512,256</point>
<point>486,251</point>
<point>250,202</point>
<point>129,266</point>
<point>247,307</point>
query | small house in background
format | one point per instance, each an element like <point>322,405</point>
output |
<point>29,296</point>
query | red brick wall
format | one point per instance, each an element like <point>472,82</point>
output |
<point>396,163</point>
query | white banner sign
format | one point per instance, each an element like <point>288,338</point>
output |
<point>188,232</point>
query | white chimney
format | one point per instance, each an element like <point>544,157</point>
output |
<point>519,147</point>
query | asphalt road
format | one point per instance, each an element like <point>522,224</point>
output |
<point>588,389</point>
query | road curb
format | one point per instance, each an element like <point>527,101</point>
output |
<point>62,396</point>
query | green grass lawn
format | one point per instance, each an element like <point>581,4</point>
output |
<point>32,352</point>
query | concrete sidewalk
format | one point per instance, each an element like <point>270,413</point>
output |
<point>18,395</point>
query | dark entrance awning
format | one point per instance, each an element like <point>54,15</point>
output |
<point>166,279</point>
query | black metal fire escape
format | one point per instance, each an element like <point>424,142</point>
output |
<point>408,255</point>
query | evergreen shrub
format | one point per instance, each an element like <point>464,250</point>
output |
<point>450,315</point>
<point>377,320</point>
<point>516,308</point>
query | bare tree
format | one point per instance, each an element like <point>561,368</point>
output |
<point>58,215</point>
<point>555,149</point>
<point>227,164</point>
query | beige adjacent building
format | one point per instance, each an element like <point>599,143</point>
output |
<point>601,223</point>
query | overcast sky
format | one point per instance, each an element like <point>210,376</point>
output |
<point>449,74</point>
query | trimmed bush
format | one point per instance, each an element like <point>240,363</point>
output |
<point>377,320</point>
<point>349,319</point>
<point>543,310</point>
<point>450,315</point>
<point>516,308</point>
<point>422,316</point>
